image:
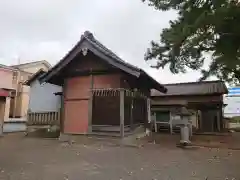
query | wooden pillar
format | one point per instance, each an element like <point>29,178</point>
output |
<point>197,120</point>
<point>200,120</point>
<point>218,120</point>
<point>90,105</point>
<point>62,115</point>
<point>171,122</point>
<point>222,122</point>
<point>2,106</point>
<point>122,94</point>
<point>149,110</point>
<point>131,114</point>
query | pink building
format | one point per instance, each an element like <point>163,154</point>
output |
<point>6,86</point>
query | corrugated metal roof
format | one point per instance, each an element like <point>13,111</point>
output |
<point>193,88</point>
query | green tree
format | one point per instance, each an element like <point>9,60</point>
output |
<point>202,27</point>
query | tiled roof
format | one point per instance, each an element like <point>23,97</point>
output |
<point>105,50</point>
<point>90,42</point>
<point>193,88</point>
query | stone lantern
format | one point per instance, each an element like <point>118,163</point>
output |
<point>185,125</point>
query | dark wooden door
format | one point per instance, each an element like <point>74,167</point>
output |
<point>207,120</point>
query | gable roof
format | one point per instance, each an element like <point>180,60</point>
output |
<point>193,88</point>
<point>13,69</point>
<point>35,76</point>
<point>47,64</point>
<point>89,43</point>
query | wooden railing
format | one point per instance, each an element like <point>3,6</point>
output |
<point>43,118</point>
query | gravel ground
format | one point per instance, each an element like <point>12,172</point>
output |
<point>24,158</point>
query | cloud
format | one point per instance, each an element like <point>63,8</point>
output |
<point>34,30</point>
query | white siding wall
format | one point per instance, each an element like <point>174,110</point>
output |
<point>233,106</point>
<point>42,97</point>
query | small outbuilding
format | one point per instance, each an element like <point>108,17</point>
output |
<point>203,99</point>
<point>42,97</point>
<point>101,92</point>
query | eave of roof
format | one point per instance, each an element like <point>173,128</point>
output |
<point>157,85</point>
<point>31,63</point>
<point>14,69</point>
<point>195,82</point>
<point>35,76</point>
<point>8,67</point>
<point>85,42</point>
<point>193,88</point>
<point>108,52</point>
<point>90,43</point>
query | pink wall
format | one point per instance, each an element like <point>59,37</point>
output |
<point>76,97</point>
<point>76,92</point>
<point>77,88</point>
<point>106,81</point>
<point>6,78</point>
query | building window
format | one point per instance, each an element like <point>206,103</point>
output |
<point>162,116</point>
<point>15,76</point>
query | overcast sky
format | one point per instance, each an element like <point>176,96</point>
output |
<point>34,30</point>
